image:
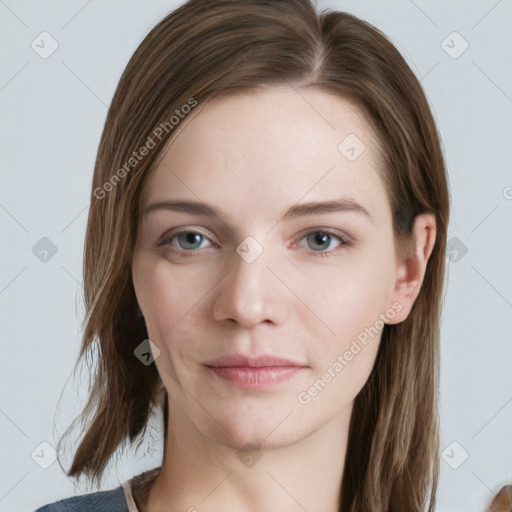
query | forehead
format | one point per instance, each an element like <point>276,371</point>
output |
<point>272,147</point>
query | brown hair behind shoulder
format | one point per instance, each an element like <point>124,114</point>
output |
<point>502,502</point>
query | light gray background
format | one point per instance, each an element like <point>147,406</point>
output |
<point>52,115</point>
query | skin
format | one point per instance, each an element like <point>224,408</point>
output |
<point>252,156</point>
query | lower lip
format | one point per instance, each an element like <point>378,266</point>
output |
<point>256,378</point>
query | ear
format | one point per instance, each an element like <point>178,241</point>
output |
<point>411,266</point>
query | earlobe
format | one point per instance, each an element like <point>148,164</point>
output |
<point>411,267</point>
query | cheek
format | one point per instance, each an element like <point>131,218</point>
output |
<point>172,299</point>
<point>176,300</point>
<point>348,296</point>
<point>167,294</point>
<point>344,358</point>
<point>353,316</point>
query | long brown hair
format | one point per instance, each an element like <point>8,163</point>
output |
<point>210,48</point>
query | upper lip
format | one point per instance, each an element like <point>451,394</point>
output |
<point>239,360</point>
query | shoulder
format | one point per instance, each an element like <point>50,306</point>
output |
<point>103,501</point>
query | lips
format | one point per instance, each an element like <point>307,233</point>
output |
<point>261,372</point>
<point>242,361</point>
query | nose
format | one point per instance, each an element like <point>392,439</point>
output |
<point>251,294</point>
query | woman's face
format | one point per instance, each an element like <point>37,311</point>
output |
<point>267,273</point>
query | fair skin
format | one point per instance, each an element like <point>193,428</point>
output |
<point>252,157</point>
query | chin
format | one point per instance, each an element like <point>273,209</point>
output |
<point>254,433</point>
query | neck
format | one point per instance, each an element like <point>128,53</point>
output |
<point>199,473</point>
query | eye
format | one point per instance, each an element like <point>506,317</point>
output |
<point>185,240</point>
<point>320,239</point>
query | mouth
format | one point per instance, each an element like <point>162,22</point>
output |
<point>260,372</point>
<point>242,361</point>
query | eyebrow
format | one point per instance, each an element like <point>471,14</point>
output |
<point>342,204</point>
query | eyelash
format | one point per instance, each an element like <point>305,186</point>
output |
<point>345,242</point>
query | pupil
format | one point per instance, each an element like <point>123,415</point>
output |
<point>321,238</point>
<point>191,238</point>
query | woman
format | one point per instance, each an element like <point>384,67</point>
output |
<point>264,259</point>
